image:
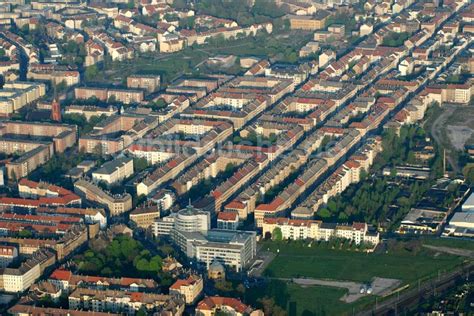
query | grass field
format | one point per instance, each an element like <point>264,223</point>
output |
<point>307,300</point>
<point>321,300</point>
<point>280,46</point>
<point>298,260</point>
<point>407,261</point>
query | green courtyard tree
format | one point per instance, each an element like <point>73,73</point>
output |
<point>277,234</point>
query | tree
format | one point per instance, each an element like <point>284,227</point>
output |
<point>267,8</point>
<point>24,233</point>
<point>277,234</point>
<point>106,271</point>
<point>324,213</point>
<point>62,86</point>
<point>342,217</point>
<point>223,286</point>
<point>270,308</point>
<point>71,47</point>
<point>140,164</point>
<point>142,265</point>
<point>142,311</point>
<point>112,99</point>
<point>123,256</point>
<point>187,23</point>
<point>241,289</point>
<point>157,105</point>
<point>46,301</point>
<point>229,167</point>
<point>180,4</point>
<point>393,172</point>
<point>332,206</point>
<point>292,57</point>
<point>468,172</point>
<point>91,72</point>
<point>394,39</point>
<point>156,263</point>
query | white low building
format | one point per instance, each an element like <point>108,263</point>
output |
<point>234,249</point>
<point>298,229</point>
<point>468,205</point>
<point>463,219</point>
<point>190,231</point>
<point>16,280</point>
<point>114,171</point>
<point>188,219</point>
<point>461,225</point>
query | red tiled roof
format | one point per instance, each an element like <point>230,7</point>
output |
<point>211,303</point>
<point>60,274</point>
<point>235,205</point>
<point>227,216</point>
<point>186,282</point>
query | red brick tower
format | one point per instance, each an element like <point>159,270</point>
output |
<point>56,111</point>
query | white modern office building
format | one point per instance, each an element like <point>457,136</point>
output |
<point>190,229</point>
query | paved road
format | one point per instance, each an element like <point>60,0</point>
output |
<point>266,257</point>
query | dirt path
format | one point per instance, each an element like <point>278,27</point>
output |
<point>380,286</point>
<point>436,132</point>
<point>452,251</point>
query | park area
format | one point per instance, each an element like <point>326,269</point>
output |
<point>313,279</point>
<point>281,46</point>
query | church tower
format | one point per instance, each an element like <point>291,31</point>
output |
<point>56,111</point>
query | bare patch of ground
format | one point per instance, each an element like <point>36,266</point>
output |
<point>452,251</point>
<point>380,286</point>
<point>453,129</point>
<point>459,135</point>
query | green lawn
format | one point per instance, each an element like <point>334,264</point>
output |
<point>405,260</point>
<point>297,260</point>
<point>321,300</point>
<point>307,300</point>
<point>168,66</point>
<point>280,46</point>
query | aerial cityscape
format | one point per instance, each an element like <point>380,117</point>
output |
<point>236,157</point>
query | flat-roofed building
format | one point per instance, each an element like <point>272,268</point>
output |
<point>234,249</point>
<point>36,141</point>
<point>114,171</point>
<point>463,220</point>
<point>299,229</point>
<point>468,205</point>
<point>15,95</point>
<point>7,255</point>
<point>309,22</point>
<point>15,280</point>
<point>145,215</point>
<point>149,83</point>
